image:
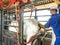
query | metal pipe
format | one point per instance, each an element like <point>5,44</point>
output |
<point>1,25</point>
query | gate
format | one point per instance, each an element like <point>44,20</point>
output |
<point>9,28</point>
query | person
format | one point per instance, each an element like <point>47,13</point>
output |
<point>53,22</point>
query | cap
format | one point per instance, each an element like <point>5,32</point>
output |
<point>53,7</point>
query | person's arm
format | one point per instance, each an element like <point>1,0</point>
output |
<point>41,25</point>
<point>49,23</point>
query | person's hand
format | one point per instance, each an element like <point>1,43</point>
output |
<point>42,30</point>
<point>41,26</point>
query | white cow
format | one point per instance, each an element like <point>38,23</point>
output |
<point>30,28</point>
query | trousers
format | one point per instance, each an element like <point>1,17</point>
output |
<point>57,42</point>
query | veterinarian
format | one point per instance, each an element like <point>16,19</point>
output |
<point>54,22</point>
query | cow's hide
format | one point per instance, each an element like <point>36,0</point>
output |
<point>30,28</point>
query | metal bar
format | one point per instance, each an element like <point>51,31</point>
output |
<point>38,10</point>
<point>30,7</point>
<point>21,26</point>
<point>39,16</point>
<point>59,8</point>
<point>5,36</point>
<point>1,27</point>
<point>42,21</point>
<point>35,14</point>
<point>10,42</point>
<point>10,25</point>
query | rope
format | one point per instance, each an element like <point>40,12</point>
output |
<point>31,14</point>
